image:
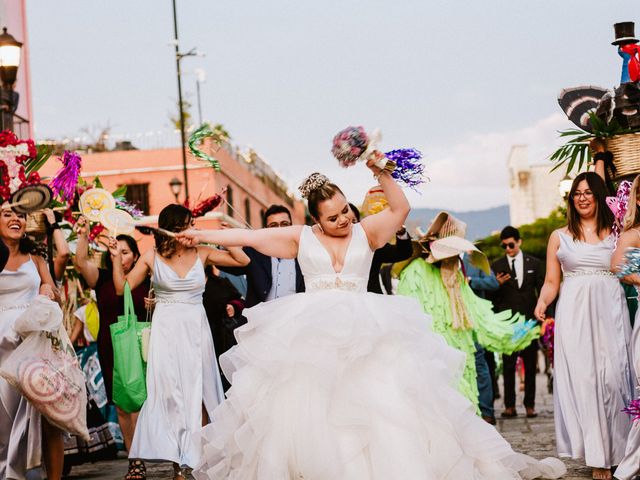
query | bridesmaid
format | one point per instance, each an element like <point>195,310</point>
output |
<point>25,437</point>
<point>183,382</point>
<point>593,380</point>
<point>630,466</point>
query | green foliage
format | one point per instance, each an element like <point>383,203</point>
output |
<point>534,236</point>
<point>575,153</point>
<point>120,192</point>
<point>34,164</point>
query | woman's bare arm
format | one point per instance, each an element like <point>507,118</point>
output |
<point>552,279</point>
<point>274,242</point>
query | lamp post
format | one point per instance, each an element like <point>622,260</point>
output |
<point>10,50</point>
<point>176,185</point>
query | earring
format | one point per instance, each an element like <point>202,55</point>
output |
<point>321,229</point>
<point>24,235</point>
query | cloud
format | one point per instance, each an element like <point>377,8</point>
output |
<point>468,175</point>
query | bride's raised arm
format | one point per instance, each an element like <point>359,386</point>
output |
<point>279,242</point>
<point>383,225</point>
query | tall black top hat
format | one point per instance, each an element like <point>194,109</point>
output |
<point>624,33</point>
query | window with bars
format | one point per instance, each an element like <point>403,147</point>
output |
<point>138,195</point>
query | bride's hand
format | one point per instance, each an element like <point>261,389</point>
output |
<point>189,238</point>
<point>372,162</point>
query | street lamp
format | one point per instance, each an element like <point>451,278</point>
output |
<point>564,187</point>
<point>176,186</point>
<point>10,50</point>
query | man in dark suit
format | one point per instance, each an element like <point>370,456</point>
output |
<point>269,277</point>
<point>521,277</point>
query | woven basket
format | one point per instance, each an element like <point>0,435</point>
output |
<point>626,154</point>
<point>36,223</point>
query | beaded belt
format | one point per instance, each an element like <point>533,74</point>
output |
<point>4,308</point>
<point>170,300</point>
<point>604,273</point>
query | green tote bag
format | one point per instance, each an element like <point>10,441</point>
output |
<point>129,369</point>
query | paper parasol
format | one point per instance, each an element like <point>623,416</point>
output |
<point>117,221</point>
<point>93,201</point>
<point>30,198</point>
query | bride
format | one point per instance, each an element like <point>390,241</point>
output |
<point>337,383</point>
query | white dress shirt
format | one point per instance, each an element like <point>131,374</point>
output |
<point>283,278</point>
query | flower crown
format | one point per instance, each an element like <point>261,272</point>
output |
<point>312,182</point>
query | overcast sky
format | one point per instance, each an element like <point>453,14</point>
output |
<point>461,81</point>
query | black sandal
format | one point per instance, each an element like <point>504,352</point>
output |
<point>137,470</point>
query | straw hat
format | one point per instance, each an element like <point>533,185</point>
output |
<point>445,239</point>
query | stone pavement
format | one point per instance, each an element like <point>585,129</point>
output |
<point>534,437</point>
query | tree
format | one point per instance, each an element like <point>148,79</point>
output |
<point>535,236</point>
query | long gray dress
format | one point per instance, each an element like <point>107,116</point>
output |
<point>630,465</point>
<point>593,377</point>
<point>20,436</point>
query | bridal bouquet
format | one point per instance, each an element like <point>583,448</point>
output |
<point>353,144</point>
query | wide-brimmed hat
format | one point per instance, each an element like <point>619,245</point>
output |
<point>445,239</point>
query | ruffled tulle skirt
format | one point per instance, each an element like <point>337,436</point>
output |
<point>336,385</point>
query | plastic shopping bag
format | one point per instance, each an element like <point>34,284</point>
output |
<point>45,370</point>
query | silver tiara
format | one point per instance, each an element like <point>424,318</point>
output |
<point>312,182</point>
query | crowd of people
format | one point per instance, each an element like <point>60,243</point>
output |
<point>325,368</point>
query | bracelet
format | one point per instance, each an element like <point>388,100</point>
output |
<point>604,156</point>
<point>53,226</point>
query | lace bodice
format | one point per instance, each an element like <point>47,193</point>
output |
<point>315,263</point>
<point>170,288</point>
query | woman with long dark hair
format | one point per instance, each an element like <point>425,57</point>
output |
<point>110,305</point>
<point>183,381</point>
<point>26,438</point>
<point>592,374</point>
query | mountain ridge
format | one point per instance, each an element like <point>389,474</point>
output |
<point>480,223</point>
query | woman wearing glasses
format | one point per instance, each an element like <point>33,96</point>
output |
<point>593,380</point>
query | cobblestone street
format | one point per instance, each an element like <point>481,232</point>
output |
<point>532,436</point>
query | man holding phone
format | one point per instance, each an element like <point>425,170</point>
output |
<point>521,277</point>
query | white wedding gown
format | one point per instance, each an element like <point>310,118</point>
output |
<point>340,384</point>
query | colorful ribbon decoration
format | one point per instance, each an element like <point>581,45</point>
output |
<point>216,133</point>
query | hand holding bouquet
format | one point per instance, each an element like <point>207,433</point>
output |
<point>353,144</point>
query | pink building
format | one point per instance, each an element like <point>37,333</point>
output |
<point>251,185</point>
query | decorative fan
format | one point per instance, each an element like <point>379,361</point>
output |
<point>93,201</point>
<point>117,221</point>
<point>577,102</point>
<point>30,198</point>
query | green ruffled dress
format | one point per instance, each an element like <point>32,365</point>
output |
<point>498,332</point>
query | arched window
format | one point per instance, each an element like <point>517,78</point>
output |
<point>247,210</point>
<point>230,201</point>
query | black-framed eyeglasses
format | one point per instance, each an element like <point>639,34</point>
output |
<point>586,194</point>
<point>508,245</point>
<point>284,223</point>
